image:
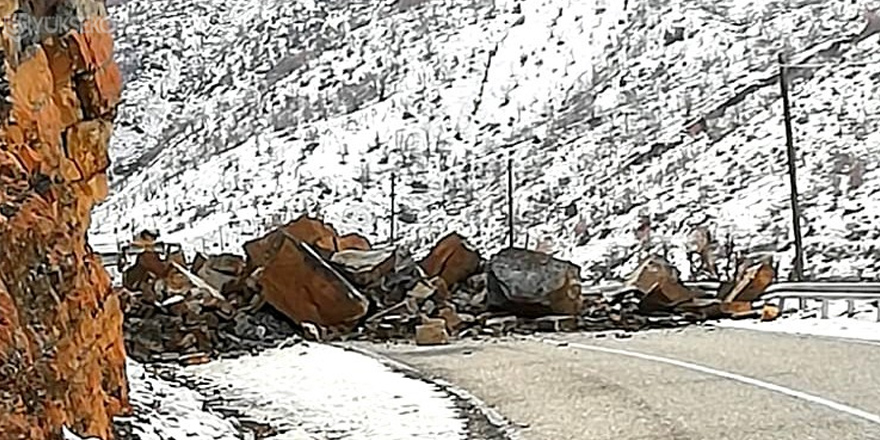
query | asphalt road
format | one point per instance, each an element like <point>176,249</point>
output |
<point>696,383</point>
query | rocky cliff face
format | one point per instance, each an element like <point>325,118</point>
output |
<point>61,348</point>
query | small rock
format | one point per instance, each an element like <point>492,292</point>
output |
<point>769,313</point>
<point>432,333</point>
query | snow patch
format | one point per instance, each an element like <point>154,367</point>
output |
<point>862,326</point>
<point>323,390</point>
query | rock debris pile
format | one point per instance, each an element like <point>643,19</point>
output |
<point>191,314</point>
<point>305,276</point>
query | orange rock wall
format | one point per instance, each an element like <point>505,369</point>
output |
<point>62,356</point>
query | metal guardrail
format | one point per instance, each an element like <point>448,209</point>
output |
<point>825,292</point>
<point>707,286</point>
<point>829,287</point>
<point>108,259</point>
<point>121,256</point>
<point>803,291</point>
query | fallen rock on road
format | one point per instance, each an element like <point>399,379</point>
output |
<point>297,281</point>
<point>530,283</point>
<point>752,283</point>
<point>660,283</point>
<point>452,259</point>
<point>332,287</point>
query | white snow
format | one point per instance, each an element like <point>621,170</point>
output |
<point>327,391</point>
<point>166,411</point>
<point>862,326</point>
<point>67,434</point>
<point>309,392</point>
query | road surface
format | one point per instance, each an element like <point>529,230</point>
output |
<point>697,383</point>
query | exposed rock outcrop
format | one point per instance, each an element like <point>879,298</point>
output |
<point>62,358</point>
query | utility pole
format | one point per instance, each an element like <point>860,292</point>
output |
<point>792,172</point>
<point>510,202</point>
<point>393,179</point>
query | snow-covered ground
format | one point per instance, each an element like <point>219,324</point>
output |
<point>862,325</point>
<point>303,392</point>
<point>240,114</point>
<point>331,393</point>
<point>165,410</point>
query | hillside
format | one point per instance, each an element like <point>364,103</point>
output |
<point>241,114</point>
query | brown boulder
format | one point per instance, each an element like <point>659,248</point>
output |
<point>736,308</point>
<point>312,232</point>
<point>453,321</point>
<point>752,284</point>
<point>147,266</point>
<point>297,281</point>
<point>432,332</point>
<point>353,242</point>
<point>659,282</point>
<point>258,251</point>
<point>452,260</point>
<point>221,269</point>
<point>307,230</point>
<point>769,313</point>
<point>665,295</point>
<point>364,268</point>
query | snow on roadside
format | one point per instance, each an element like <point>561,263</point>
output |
<point>325,390</point>
<point>862,326</point>
<point>304,392</point>
<point>165,410</point>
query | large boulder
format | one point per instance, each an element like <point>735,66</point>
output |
<point>62,357</point>
<point>452,260</point>
<point>365,268</point>
<point>298,282</point>
<point>530,283</point>
<point>752,283</point>
<point>148,266</point>
<point>352,242</point>
<point>659,282</point>
<point>310,231</point>
<point>313,232</point>
<point>218,270</point>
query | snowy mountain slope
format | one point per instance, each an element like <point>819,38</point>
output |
<point>590,101</point>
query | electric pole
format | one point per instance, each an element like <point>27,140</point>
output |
<point>510,202</point>
<point>393,182</point>
<point>792,172</point>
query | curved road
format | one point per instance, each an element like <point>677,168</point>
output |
<point>697,383</point>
